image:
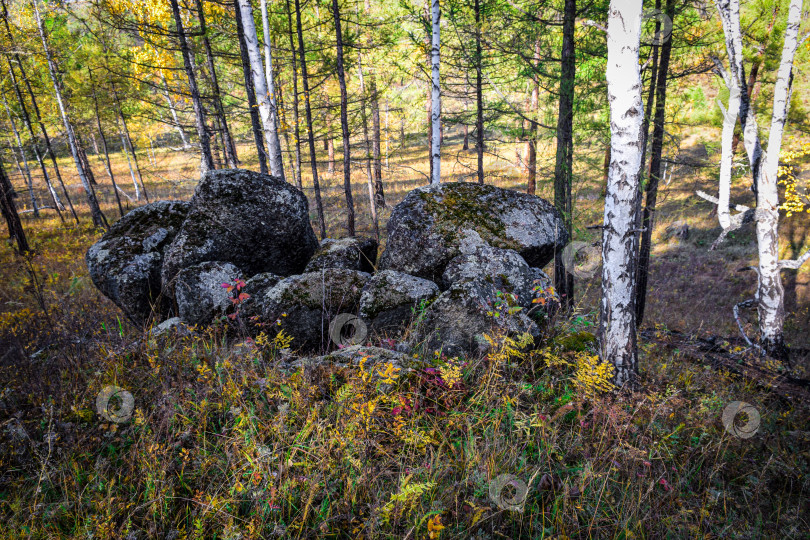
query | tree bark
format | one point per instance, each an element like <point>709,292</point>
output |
<point>264,93</point>
<point>15,228</point>
<point>308,110</point>
<point>531,143</point>
<point>344,122</point>
<point>367,158</point>
<point>651,189</point>
<point>255,122</point>
<point>99,220</point>
<point>107,164</point>
<point>173,110</point>
<point>227,140</point>
<point>564,163</point>
<point>296,127</point>
<point>207,162</point>
<point>617,325</point>
<point>479,94</point>
<point>436,96</point>
<point>29,181</point>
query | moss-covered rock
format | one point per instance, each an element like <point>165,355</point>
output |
<point>201,291</point>
<point>503,268</point>
<point>305,304</point>
<point>125,264</point>
<point>389,298</point>
<point>257,222</point>
<point>353,253</point>
<point>428,227</point>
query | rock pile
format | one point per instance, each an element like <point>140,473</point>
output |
<point>460,259</point>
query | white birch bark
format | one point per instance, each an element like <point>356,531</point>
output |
<point>770,292</point>
<point>727,157</point>
<point>98,217</point>
<point>436,97</point>
<point>264,94</point>
<point>26,169</point>
<point>172,108</point>
<point>617,325</point>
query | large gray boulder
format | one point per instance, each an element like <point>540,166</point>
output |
<point>458,319</point>
<point>426,229</point>
<point>305,304</point>
<point>125,264</point>
<point>257,222</point>
<point>250,310</point>
<point>201,293</point>
<point>352,253</point>
<point>503,268</point>
<point>389,299</point>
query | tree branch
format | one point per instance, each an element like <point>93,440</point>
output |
<point>795,264</point>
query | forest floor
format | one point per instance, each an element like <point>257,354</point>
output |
<point>223,444</point>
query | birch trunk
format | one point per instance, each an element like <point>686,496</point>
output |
<point>436,97</point>
<point>770,291</point>
<point>617,325</point>
<point>25,169</point>
<point>264,93</point>
<point>207,161</point>
<point>255,122</point>
<point>95,211</point>
<point>173,110</point>
<point>107,164</point>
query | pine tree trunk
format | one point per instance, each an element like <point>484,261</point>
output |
<point>367,158</point>
<point>379,193</point>
<point>436,96</point>
<point>95,210</point>
<point>199,113</point>
<point>308,110</point>
<point>563,168</point>
<point>9,209</point>
<point>531,143</point>
<point>617,325</point>
<point>479,94</point>
<point>264,93</point>
<point>227,140</point>
<point>344,122</point>
<point>255,122</point>
<point>651,189</point>
<point>296,126</point>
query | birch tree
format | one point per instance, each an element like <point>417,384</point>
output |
<point>99,220</point>
<point>264,89</point>
<point>617,326</point>
<point>436,97</point>
<point>769,296</point>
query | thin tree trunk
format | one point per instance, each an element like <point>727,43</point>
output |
<point>465,145</point>
<point>436,96</point>
<point>367,158</point>
<point>207,161</point>
<point>296,126</point>
<point>308,109</point>
<point>129,163</point>
<point>26,170</point>
<point>222,119</point>
<point>344,122</point>
<point>253,108</point>
<point>531,143</point>
<point>387,138</point>
<point>379,192</point>
<point>479,94</point>
<point>173,110</point>
<point>9,209</point>
<point>651,189</point>
<point>617,325</point>
<point>264,93</point>
<point>564,162</point>
<point>107,164</point>
<point>95,211</point>
<point>27,121</point>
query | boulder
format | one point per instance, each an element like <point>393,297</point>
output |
<point>201,292</point>
<point>125,264</point>
<point>257,222</point>
<point>353,253</point>
<point>305,304</point>
<point>426,229</point>
<point>503,268</point>
<point>250,309</point>
<point>458,319</point>
<point>389,298</point>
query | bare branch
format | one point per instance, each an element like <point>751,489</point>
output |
<point>795,264</point>
<point>589,22</point>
